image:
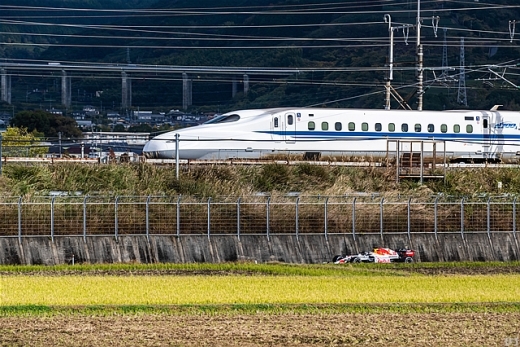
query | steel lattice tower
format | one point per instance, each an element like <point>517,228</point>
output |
<point>462,98</point>
<point>444,74</point>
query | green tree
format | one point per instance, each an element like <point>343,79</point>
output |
<point>32,120</point>
<point>119,128</point>
<point>18,142</point>
<point>47,123</point>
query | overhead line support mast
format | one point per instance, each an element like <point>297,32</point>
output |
<point>420,60</point>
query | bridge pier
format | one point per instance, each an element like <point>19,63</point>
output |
<point>65,89</point>
<point>234,87</point>
<point>5,86</point>
<point>187,90</point>
<point>126,91</point>
<point>246,84</point>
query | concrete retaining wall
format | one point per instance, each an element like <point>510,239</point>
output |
<point>308,248</point>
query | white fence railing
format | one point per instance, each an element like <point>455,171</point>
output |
<point>152,215</point>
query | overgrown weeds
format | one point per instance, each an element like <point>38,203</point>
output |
<point>212,181</point>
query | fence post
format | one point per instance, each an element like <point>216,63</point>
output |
<point>148,218</point>
<point>19,219</point>
<point>409,219</point>
<point>435,219</point>
<point>381,217</point>
<point>325,212</point>
<point>238,218</point>
<point>52,218</point>
<point>116,220</point>
<point>514,217</point>
<point>209,217</point>
<point>179,216</point>
<point>85,218</point>
<point>297,217</point>
<point>462,218</point>
<point>488,221</point>
<point>268,206</point>
<point>354,218</point>
<point>177,156</point>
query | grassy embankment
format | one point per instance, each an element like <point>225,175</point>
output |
<point>213,181</point>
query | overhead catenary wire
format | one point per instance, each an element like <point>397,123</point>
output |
<point>151,37</point>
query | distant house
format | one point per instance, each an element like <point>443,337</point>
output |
<point>55,111</point>
<point>113,116</point>
<point>78,116</point>
<point>142,116</point>
<point>6,117</point>
<point>84,124</point>
<point>90,110</point>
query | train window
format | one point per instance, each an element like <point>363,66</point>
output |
<point>275,122</point>
<point>431,128</point>
<point>364,126</point>
<point>290,119</point>
<point>469,128</point>
<point>391,127</point>
<point>224,119</point>
<point>444,128</point>
<point>404,127</point>
<point>485,123</point>
<point>417,128</point>
<point>378,127</point>
<point>337,126</point>
<point>324,126</point>
<point>456,128</point>
<point>311,126</point>
<point>351,126</point>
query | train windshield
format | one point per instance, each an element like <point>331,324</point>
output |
<point>224,119</point>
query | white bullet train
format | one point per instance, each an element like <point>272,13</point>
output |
<point>459,135</point>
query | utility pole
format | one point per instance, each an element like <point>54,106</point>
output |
<point>420,76</point>
<point>444,69</point>
<point>462,98</point>
<point>419,49</point>
<point>388,85</point>
<point>388,20</point>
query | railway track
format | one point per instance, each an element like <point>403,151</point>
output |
<point>169,162</point>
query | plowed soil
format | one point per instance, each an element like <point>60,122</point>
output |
<point>417,329</point>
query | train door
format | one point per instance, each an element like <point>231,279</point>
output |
<point>486,132</point>
<point>289,128</point>
<point>493,128</point>
<point>276,128</point>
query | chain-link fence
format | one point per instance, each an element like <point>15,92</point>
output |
<point>160,215</point>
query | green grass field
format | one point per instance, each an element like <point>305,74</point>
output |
<point>257,285</point>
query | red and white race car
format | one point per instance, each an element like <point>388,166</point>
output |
<point>378,255</point>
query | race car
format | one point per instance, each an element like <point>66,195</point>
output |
<point>378,255</point>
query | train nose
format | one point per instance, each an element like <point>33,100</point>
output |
<point>153,149</point>
<point>151,155</point>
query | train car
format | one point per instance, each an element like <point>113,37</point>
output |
<point>476,136</point>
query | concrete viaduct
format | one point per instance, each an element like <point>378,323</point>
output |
<point>126,71</point>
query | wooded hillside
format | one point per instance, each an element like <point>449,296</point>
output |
<point>345,44</point>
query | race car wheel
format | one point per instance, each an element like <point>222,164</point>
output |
<point>356,260</point>
<point>336,258</point>
<point>408,260</point>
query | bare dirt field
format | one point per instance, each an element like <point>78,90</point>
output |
<point>373,329</point>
